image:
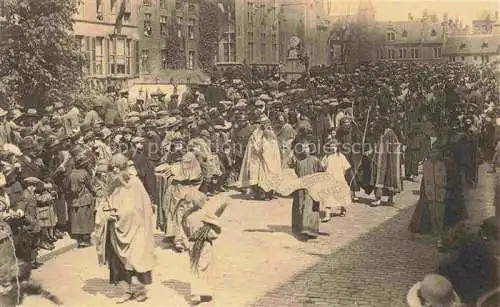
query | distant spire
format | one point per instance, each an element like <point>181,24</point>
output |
<point>366,10</point>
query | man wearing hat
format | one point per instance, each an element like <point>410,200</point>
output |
<point>139,105</point>
<point>96,112</point>
<point>122,103</point>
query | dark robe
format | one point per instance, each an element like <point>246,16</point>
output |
<point>386,174</point>
<point>146,172</point>
<point>321,127</point>
<point>350,145</point>
<point>305,211</point>
<point>82,198</point>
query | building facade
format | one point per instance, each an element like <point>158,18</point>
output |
<point>413,40</point>
<point>256,32</point>
<point>482,46</point>
<point>108,34</point>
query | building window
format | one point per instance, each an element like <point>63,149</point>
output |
<point>475,58</point>
<point>163,4</point>
<point>463,45</point>
<point>178,5</point>
<point>436,52</point>
<point>191,7</point>
<point>263,53</point>
<point>462,58</point>
<point>414,54</point>
<point>402,53</point>
<point>433,33</point>
<point>163,26</point>
<point>191,24</point>
<point>251,12</point>
<point>262,36</point>
<point>390,53</point>
<point>164,58</point>
<point>404,34</point>
<point>452,59</point>
<point>190,63</point>
<point>148,29</point>
<point>146,2</point>
<point>484,45</point>
<point>117,56</point>
<point>380,53</point>
<point>250,36</point>
<point>390,36</point>
<point>130,57</point>
<point>137,58</point>
<point>250,52</point>
<point>485,58</point>
<point>274,50</point>
<point>145,61</point>
<point>179,26</point>
<point>98,51</point>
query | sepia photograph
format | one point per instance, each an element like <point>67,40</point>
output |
<point>260,153</point>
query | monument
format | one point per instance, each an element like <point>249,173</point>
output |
<point>294,67</point>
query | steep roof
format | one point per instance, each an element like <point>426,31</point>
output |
<point>410,32</point>
<point>472,44</point>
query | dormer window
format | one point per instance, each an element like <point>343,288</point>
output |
<point>484,45</point>
<point>390,36</point>
<point>463,45</point>
<point>433,33</point>
<point>404,34</point>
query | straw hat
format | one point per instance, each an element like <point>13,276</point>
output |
<point>436,290</point>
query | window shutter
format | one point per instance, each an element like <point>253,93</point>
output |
<point>105,55</point>
<point>92,57</point>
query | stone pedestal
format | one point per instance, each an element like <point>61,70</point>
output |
<point>293,69</point>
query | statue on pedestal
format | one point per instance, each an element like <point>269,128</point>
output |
<point>293,47</point>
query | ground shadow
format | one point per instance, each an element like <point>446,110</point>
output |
<point>102,286</point>
<point>273,228</point>
<point>240,196</point>
<point>377,269</point>
<point>182,288</point>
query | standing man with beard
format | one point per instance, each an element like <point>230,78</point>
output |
<point>241,133</point>
<point>386,176</point>
<point>350,139</point>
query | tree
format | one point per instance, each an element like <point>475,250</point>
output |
<point>175,50</point>
<point>41,63</point>
<point>209,33</point>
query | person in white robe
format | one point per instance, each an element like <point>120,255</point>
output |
<point>261,167</point>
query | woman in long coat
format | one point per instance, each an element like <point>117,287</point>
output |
<point>82,199</point>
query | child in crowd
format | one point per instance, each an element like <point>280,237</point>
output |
<point>46,214</point>
<point>337,166</point>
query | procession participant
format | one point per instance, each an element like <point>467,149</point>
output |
<point>431,204</point>
<point>221,146</point>
<point>145,167</point>
<point>285,135</point>
<point>386,175</point>
<point>173,104</point>
<point>202,227</point>
<point>130,242</point>
<point>152,141</point>
<point>241,133</point>
<point>413,152</point>
<point>336,164</point>
<point>81,198</point>
<point>305,210</point>
<point>261,163</point>
<point>186,179</point>
<point>320,126</point>
<point>469,151</point>
<point>350,139</point>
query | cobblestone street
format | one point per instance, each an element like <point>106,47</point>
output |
<point>367,258</point>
